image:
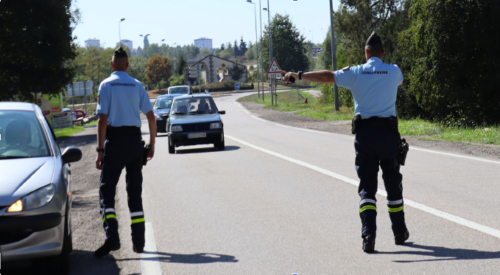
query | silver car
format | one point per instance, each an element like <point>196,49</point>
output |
<point>35,188</point>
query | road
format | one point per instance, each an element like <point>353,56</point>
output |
<point>276,202</point>
<point>283,200</point>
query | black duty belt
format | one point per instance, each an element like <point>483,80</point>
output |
<point>390,122</point>
<point>123,131</point>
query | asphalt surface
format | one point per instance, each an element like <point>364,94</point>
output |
<point>281,200</point>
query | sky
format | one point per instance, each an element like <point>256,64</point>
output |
<point>183,21</point>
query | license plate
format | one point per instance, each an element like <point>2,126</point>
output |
<point>197,135</point>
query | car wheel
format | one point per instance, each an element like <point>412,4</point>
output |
<point>171,148</point>
<point>59,265</point>
<point>220,145</point>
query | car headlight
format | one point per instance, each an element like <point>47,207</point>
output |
<point>158,117</point>
<point>216,125</point>
<point>176,128</point>
<point>36,199</point>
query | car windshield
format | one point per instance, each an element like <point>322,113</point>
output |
<point>163,103</point>
<point>21,135</point>
<point>194,106</point>
<point>178,90</point>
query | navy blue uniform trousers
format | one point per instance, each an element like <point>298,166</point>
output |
<point>123,148</point>
<point>377,145</point>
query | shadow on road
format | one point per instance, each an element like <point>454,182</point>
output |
<point>198,258</point>
<point>206,150</point>
<point>79,140</point>
<point>444,253</point>
<point>81,263</point>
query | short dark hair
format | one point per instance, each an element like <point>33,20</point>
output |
<point>375,50</point>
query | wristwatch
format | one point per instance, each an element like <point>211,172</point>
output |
<point>97,149</point>
<point>300,75</point>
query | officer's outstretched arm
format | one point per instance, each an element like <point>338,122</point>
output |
<point>152,133</point>
<point>324,76</point>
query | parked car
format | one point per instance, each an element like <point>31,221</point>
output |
<point>194,120</point>
<point>161,110</point>
<point>78,113</point>
<point>35,188</point>
<point>179,90</point>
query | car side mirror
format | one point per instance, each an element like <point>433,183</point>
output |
<point>71,154</point>
<point>222,112</point>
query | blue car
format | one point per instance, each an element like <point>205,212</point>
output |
<point>35,188</point>
<point>161,110</point>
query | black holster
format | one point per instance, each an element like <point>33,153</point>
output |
<point>145,153</point>
<point>356,122</point>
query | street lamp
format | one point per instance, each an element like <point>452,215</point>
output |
<point>312,35</point>
<point>145,39</point>
<point>257,47</point>
<point>270,46</point>
<point>119,31</point>
<point>334,61</point>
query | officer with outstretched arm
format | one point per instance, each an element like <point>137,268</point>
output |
<point>374,87</point>
<point>120,145</point>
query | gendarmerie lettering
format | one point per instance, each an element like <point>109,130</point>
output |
<point>375,72</point>
<point>123,84</point>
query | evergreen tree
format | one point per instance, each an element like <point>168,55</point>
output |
<point>243,47</point>
<point>222,47</point>
<point>236,49</point>
<point>181,65</point>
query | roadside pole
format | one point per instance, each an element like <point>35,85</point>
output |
<point>85,95</point>
<point>73,95</point>
<point>334,59</point>
<point>199,82</point>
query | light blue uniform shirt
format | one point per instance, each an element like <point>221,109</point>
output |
<point>121,97</point>
<point>374,87</point>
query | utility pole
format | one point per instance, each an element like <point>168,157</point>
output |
<point>334,59</point>
<point>261,56</point>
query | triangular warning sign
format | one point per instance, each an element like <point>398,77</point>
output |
<point>274,68</point>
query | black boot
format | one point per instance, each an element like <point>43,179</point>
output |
<point>401,238</point>
<point>138,248</point>
<point>106,248</point>
<point>368,244</point>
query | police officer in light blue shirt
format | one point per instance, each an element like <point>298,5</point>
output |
<point>120,145</point>
<point>374,87</point>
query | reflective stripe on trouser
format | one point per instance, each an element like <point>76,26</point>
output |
<point>115,159</point>
<point>377,147</point>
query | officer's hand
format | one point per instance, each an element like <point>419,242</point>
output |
<point>98,161</point>
<point>151,153</point>
<point>287,76</point>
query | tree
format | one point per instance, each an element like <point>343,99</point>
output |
<point>35,47</point>
<point>236,49</point>
<point>288,45</point>
<point>181,65</point>
<point>250,54</point>
<point>236,72</point>
<point>454,60</point>
<point>243,47</point>
<point>158,69</point>
<point>222,47</point>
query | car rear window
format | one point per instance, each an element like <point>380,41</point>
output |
<point>21,135</point>
<point>178,90</point>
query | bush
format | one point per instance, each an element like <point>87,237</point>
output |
<point>176,80</point>
<point>222,86</point>
<point>328,97</point>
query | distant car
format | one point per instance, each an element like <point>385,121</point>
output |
<point>161,110</point>
<point>179,90</point>
<point>78,113</point>
<point>35,188</point>
<point>195,120</point>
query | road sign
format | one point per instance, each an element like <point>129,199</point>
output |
<point>80,88</point>
<point>274,70</point>
<point>236,86</point>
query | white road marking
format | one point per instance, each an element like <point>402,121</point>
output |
<point>447,216</point>
<point>150,263</point>
<point>454,155</point>
<point>411,148</point>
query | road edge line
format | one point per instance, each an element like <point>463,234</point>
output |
<point>150,263</point>
<point>438,213</point>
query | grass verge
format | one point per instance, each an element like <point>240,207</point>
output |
<point>291,101</point>
<point>64,133</point>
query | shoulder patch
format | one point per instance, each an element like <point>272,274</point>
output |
<point>346,68</point>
